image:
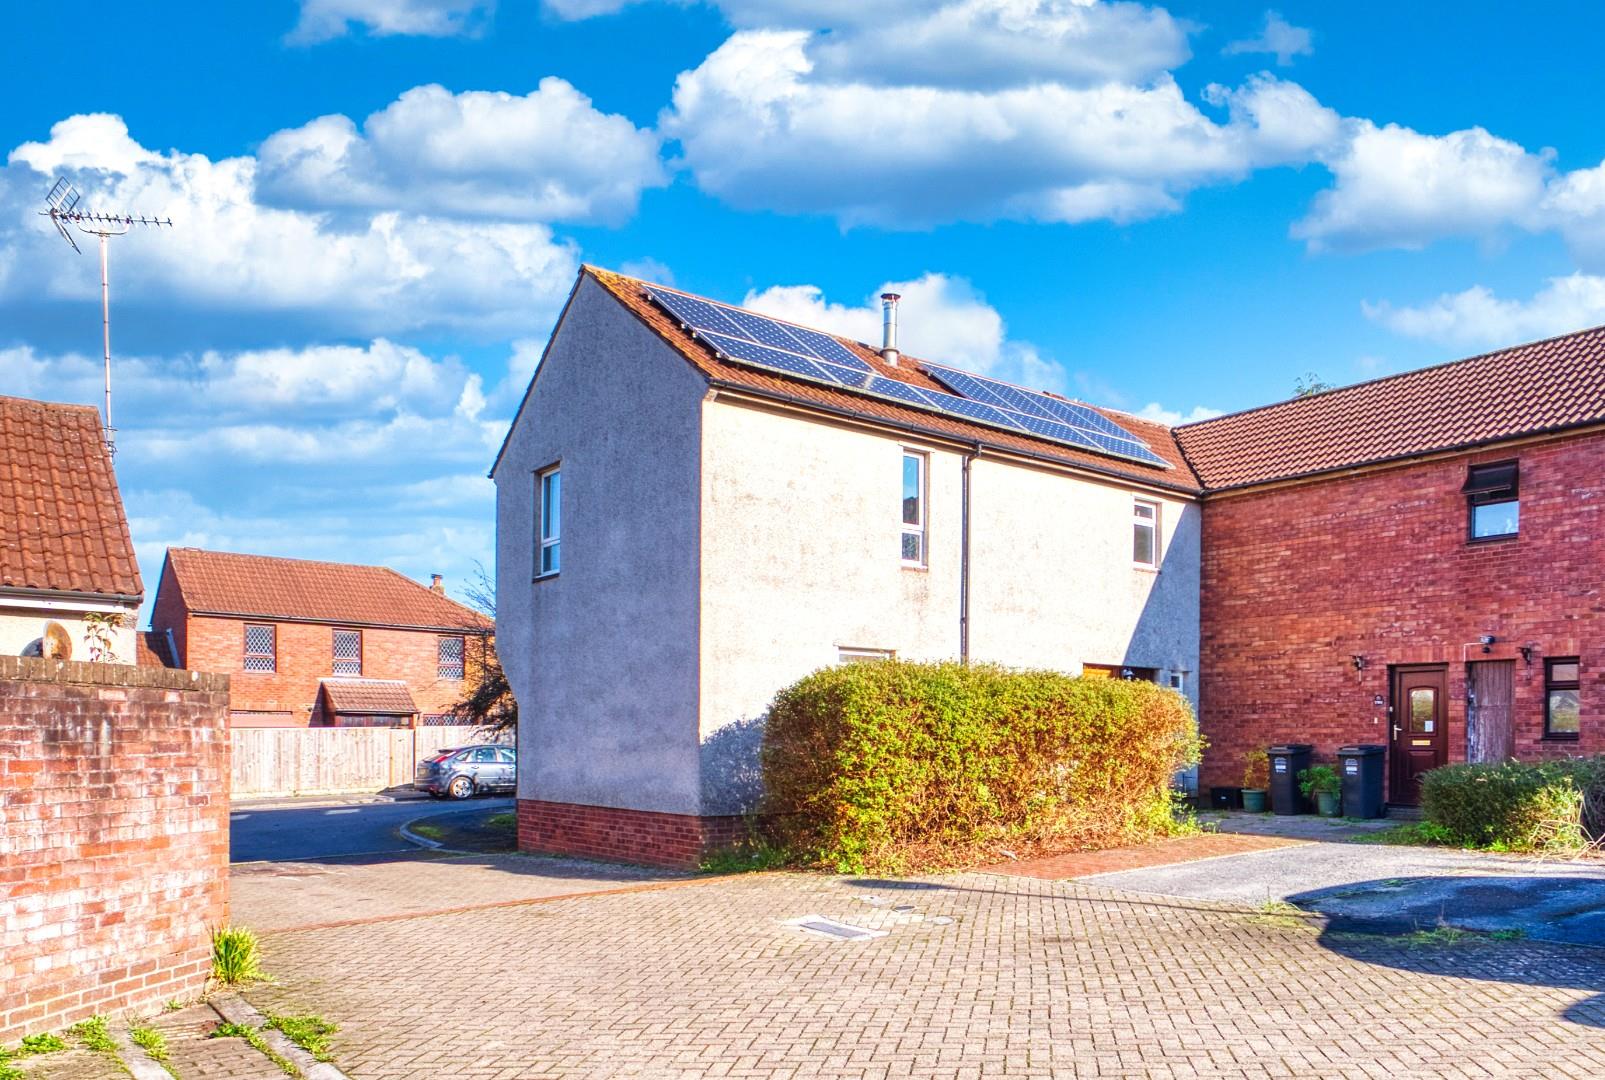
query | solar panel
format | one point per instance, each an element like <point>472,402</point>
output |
<point>747,338</point>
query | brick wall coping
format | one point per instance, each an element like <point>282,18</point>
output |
<point>36,669</point>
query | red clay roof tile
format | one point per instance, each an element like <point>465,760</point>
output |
<point>368,696</point>
<point>62,526</point>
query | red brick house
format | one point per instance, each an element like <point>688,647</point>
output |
<point>316,643</point>
<point>1417,561</point>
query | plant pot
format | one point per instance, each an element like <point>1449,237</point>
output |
<point>1253,801</point>
<point>1327,803</point>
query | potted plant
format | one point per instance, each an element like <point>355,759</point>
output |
<point>1322,783</point>
<point>1256,779</point>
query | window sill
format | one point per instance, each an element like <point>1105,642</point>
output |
<point>1560,738</point>
<point>546,577</point>
<point>1501,538</point>
<point>918,568</point>
<point>1147,568</point>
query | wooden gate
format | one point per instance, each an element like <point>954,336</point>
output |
<point>1490,692</point>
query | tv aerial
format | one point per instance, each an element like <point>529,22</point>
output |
<point>61,207</point>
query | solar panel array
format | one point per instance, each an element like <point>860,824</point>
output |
<point>745,338</point>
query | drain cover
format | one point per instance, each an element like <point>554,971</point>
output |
<point>818,924</point>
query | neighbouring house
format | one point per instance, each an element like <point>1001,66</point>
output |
<point>69,581</point>
<point>1416,562</point>
<point>696,506</point>
<point>316,643</point>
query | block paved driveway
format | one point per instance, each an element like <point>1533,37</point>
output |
<point>977,975</point>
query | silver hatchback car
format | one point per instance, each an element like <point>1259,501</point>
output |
<point>468,770</point>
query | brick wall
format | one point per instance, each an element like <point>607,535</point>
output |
<point>609,833</point>
<point>1298,579</point>
<point>114,837</point>
<point>305,656</point>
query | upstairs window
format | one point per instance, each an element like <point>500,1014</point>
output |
<point>914,509</point>
<point>261,648</point>
<point>1562,703</point>
<point>1490,492</point>
<point>348,652</point>
<point>1145,532</point>
<point>449,657</point>
<point>549,499</point>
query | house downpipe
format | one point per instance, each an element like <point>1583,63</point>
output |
<point>964,553</point>
<point>889,351</point>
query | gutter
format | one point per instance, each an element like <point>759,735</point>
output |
<point>460,628</point>
<point>65,601</point>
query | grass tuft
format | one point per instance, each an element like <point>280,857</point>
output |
<point>310,1033</point>
<point>148,1039</point>
<point>504,820</point>
<point>235,956</point>
<point>94,1035</point>
<point>744,857</point>
<point>43,1043</point>
<point>228,1030</point>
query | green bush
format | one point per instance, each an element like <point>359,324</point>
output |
<point>897,766</point>
<point>235,956</point>
<point>1552,807</point>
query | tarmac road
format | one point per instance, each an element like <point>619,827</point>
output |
<point>294,830</point>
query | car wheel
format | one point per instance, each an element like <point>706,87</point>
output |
<point>461,787</point>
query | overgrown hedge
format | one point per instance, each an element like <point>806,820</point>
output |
<point>1552,806</point>
<point>895,766</point>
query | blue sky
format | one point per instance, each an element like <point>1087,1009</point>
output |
<point>380,204</point>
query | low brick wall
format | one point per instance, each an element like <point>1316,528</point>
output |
<point>677,841</point>
<point>113,838</point>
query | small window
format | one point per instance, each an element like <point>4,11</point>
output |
<point>549,496</point>
<point>1493,509</point>
<point>1562,700</point>
<point>1178,681</point>
<point>1145,532</point>
<point>914,509</point>
<point>261,648</point>
<point>863,656</point>
<point>348,652</point>
<point>449,657</point>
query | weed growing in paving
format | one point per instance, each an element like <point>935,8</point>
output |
<point>153,1042</point>
<point>228,1030</point>
<point>9,1071</point>
<point>741,858</point>
<point>1280,913</point>
<point>1410,834</point>
<point>235,956</point>
<point>310,1033</point>
<point>44,1043</point>
<point>94,1035</point>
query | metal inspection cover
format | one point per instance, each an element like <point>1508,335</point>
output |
<point>840,931</point>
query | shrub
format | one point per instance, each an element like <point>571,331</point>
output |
<point>235,957</point>
<point>1318,779</point>
<point>898,766</point>
<point>1256,770</point>
<point>1551,807</point>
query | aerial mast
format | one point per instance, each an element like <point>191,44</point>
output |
<point>61,206</point>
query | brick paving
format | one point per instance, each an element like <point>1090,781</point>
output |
<point>74,1064</point>
<point>982,975</point>
<point>1182,849</point>
<point>193,1054</point>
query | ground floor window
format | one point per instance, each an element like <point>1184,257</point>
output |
<point>1119,671</point>
<point>1562,703</point>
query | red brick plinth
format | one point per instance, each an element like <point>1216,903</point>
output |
<point>677,841</point>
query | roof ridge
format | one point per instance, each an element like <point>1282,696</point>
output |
<point>1412,372</point>
<point>73,405</point>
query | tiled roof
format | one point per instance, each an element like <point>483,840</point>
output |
<point>150,649</point>
<point>632,294</point>
<point>1530,389</point>
<point>368,696</point>
<point>62,526</point>
<point>226,583</point>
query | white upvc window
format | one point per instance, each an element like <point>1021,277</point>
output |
<point>1145,533</point>
<point>549,510</point>
<point>913,508</point>
<point>1178,681</point>
<point>852,654</point>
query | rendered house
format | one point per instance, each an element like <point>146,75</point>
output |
<point>1417,562</point>
<point>689,519</point>
<point>65,552</point>
<point>316,643</point>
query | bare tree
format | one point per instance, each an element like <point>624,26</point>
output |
<point>1309,384</point>
<point>487,700</point>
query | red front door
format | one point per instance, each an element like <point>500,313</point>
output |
<point>1420,729</point>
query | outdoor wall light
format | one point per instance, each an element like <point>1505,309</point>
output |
<point>1378,702</point>
<point>1488,642</point>
<point>1526,655</point>
<point>1358,661</point>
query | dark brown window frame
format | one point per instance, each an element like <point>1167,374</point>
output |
<point>246,653</point>
<point>361,651</point>
<point>1477,495</point>
<point>1550,684</point>
<point>462,656</point>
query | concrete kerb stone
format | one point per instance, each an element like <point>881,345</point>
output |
<point>423,841</point>
<point>133,1057</point>
<point>236,1010</point>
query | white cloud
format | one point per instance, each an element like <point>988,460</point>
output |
<point>379,273</point>
<point>1279,38</point>
<point>1396,187</point>
<point>545,156</point>
<point>761,127</point>
<point>324,19</point>
<point>1173,417</point>
<point>1477,318</point>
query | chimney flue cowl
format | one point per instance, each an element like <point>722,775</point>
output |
<point>437,584</point>
<point>889,327</point>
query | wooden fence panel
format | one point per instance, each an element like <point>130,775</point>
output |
<point>334,761</point>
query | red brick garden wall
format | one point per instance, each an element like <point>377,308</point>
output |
<point>609,833</point>
<point>1296,580</point>
<point>114,838</point>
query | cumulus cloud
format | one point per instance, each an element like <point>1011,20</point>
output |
<point>761,127</point>
<point>1477,318</point>
<point>321,20</point>
<point>1174,417</point>
<point>545,156</point>
<point>1279,38</point>
<point>379,273</point>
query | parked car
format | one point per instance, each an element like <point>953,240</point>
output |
<point>467,770</point>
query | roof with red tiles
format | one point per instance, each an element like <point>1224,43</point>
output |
<point>631,292</point>
<point>262,586</point>
<point>368,696</point>
<point>150,649</point>
<point>1545,386</point>
<point>62,525</point>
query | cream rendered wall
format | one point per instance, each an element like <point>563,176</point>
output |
<point>800,558</point>
<point>22,626</point>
